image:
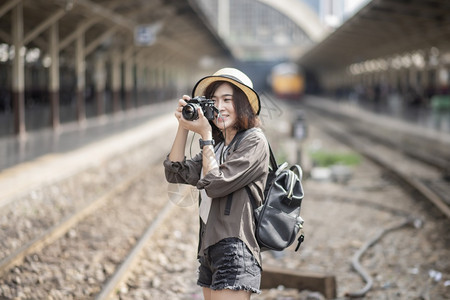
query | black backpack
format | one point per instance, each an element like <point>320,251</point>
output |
<point>278,220</point>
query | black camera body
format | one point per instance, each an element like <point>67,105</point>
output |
<point>190,112</point>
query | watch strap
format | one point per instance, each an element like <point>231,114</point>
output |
<point>206,143</point>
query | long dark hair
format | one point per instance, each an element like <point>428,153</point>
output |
<point>246,118</point>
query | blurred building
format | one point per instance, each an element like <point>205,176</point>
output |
<point>264,29</point>
<point>332,13</point>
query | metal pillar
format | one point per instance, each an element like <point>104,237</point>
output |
<point>100,82</point>
<point>159,81</point>
<point>18,77</point>
<point>128,82</point>
<point>80,68</point>
<point>140,73</point>
<point>116,76</point>
<point>54,75</point>
<point>223,18</point>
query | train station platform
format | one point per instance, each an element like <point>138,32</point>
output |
<point>71,136</point>
<point>46,156</point>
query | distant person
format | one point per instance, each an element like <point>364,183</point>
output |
<point>229,255</point>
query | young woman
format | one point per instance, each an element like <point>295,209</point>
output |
<point>229,256</point>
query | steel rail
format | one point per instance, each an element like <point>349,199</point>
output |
<point>127,265</point>
<point>429,194</point>
<point>59,229</point>
<point>344,135</point>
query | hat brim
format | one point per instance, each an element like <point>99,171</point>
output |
<point>253,98</point>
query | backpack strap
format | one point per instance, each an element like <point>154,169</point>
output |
<point>228,205</point>
<point>272,160</point>
<point>252,199</point>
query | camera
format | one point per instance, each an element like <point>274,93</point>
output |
<point>190,112</point>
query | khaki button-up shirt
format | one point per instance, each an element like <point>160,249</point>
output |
<point>229,216</point>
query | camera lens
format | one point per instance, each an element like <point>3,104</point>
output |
<point>190,112</point>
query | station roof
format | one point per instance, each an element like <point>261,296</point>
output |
<point>383,28</point>
<point>179,31</point>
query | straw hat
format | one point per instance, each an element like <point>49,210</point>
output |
<point>235,77</point>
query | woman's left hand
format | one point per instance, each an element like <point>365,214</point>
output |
<point>200,125</point>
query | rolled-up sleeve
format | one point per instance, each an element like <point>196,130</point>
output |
<point>243,166</point>
<point>184,172</point>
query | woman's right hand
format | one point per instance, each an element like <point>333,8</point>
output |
<point>181,104</point>
<point>179,144</point>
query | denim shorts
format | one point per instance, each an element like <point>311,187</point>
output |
<point>229,265</point>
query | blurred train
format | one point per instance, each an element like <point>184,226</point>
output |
<point>287,81</point>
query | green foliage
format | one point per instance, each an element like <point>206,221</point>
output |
<point>325,159</point>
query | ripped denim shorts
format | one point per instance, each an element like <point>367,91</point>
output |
<point>229,265</point>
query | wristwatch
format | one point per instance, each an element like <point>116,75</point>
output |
<point>206,142</point>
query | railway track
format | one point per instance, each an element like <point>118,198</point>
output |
<point>422,172</point>
<point>72,253</point>
<point>58,230</point>
<point>84,250</point>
